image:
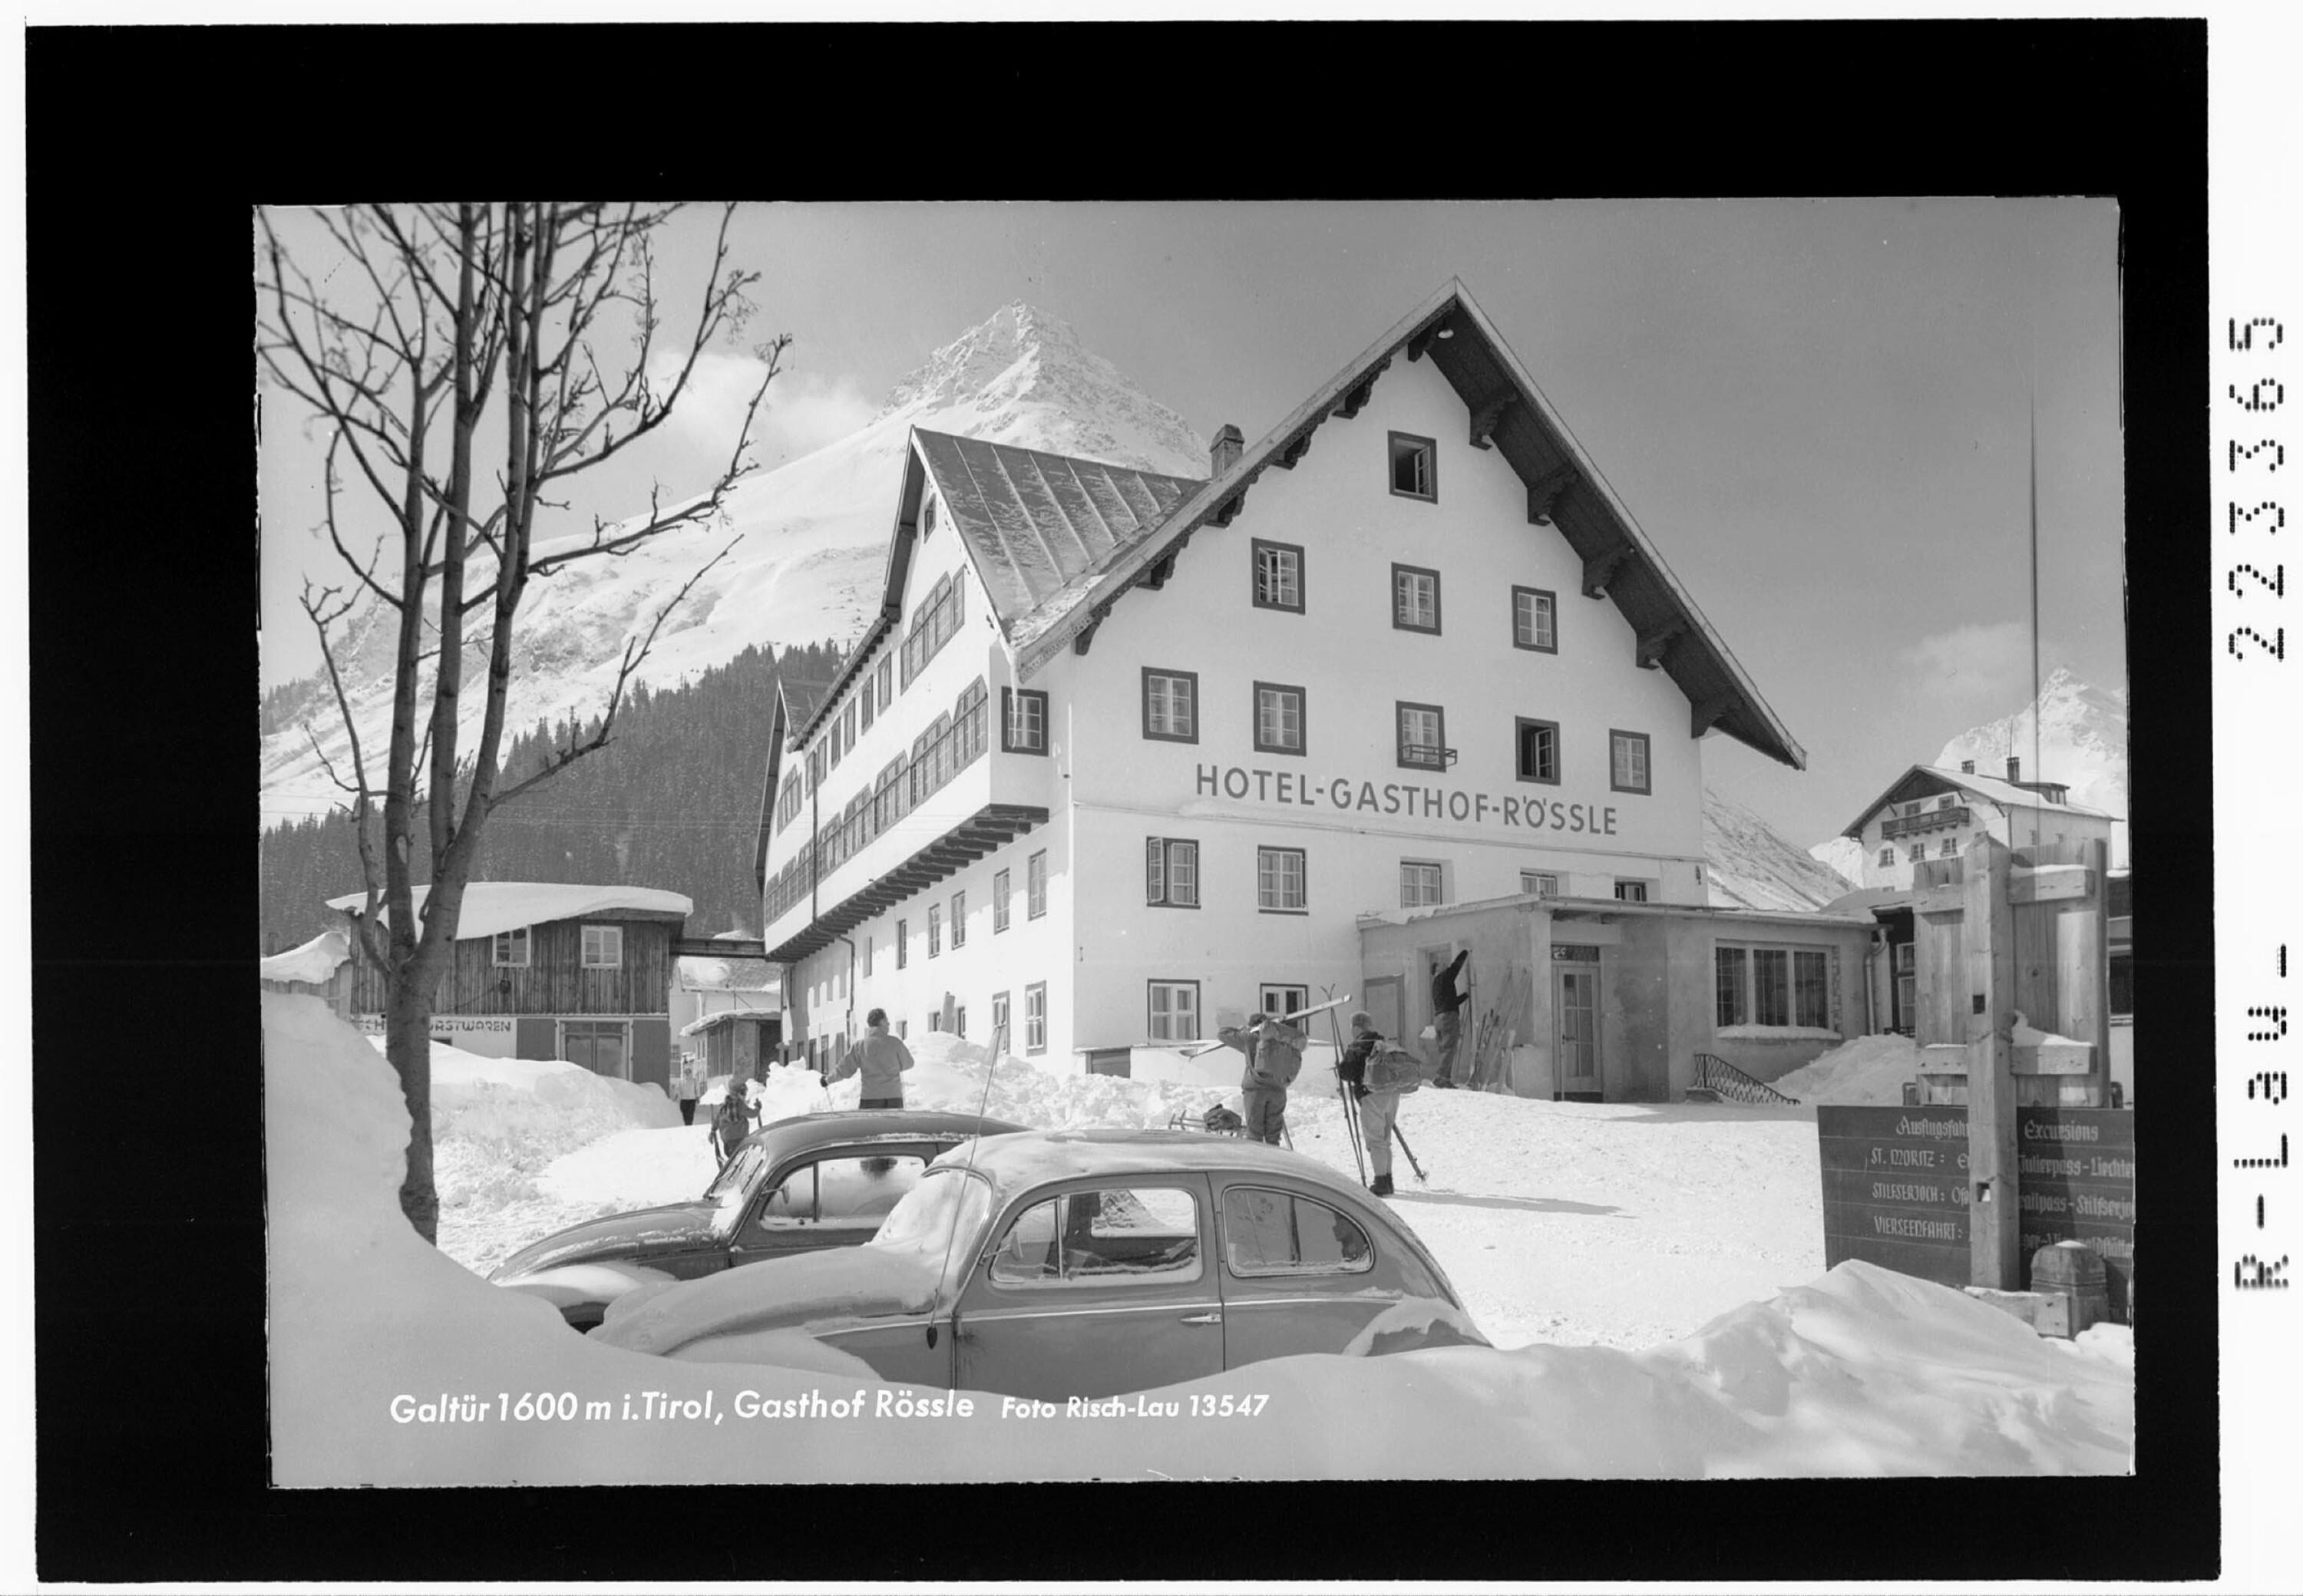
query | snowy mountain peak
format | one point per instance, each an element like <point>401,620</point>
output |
<point>1022,377</point>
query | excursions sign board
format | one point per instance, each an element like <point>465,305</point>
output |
<point>1894,1188</point>
<point>1407,799</point>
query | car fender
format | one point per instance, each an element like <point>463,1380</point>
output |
<point>1413,1322</point>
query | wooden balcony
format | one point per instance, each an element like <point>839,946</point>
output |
<point>1926,819</point>
<point>986,831</point>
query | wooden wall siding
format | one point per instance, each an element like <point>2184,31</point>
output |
<point>555,981</point>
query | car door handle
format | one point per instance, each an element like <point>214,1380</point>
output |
<point>1201,1319</point>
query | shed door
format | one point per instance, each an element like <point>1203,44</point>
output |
<point>1575,1000</point>
<point>599,1047</point>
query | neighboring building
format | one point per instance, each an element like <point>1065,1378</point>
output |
<point>727,1006</point>
<point>1935,814</point>
<point>320,969</point>
<point>542,970</point>
<point>1124,756</point>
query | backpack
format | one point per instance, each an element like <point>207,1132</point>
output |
<point>1391,1068</point>
<point>1223,1121</point>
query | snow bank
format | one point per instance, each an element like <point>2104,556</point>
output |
<point>393,1364</point>
<point>314,963</point>
<point>1866,1069</point>
<point>949,1073</point>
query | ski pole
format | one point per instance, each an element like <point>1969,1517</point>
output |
<point>1404,1147</point>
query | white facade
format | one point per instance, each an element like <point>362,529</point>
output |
<point>1114,970</point>
<point>1938,814</point>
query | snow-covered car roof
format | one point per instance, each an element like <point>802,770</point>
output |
<point>493,905</point>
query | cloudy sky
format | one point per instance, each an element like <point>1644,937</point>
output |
<point>1819,410</point>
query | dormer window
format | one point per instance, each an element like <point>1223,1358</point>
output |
<point>511,949</point>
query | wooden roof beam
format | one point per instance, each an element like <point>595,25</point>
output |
<point>1708,714</point>
<point>1086,633</point>
<point>1600,569</point>
<point>1417,345</point>
<point>1543,493</point>
<point>1655,644</point>
<point>1356,399</point>
<point>1297,448</point>
<point>1231,508</point>
<point>1489,412</point>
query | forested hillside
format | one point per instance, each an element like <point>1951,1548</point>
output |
<point>674,801</point>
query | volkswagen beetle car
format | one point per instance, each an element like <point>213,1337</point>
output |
<point>795,1186</point>
<point>1077,1263</point>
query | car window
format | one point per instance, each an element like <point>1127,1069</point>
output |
<point>1267,1232</point>
<point>848,1191</point>
<point>1116,1233</point>
<point>737,1176</point>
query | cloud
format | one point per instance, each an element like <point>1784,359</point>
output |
<point>1990,663</point>
<point>802,412</point>
<point>805,412</point>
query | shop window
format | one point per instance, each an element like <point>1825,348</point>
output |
<point>1535,616</point>
<point>1627,761</point>
<point>511,949</point>
<point>1023,720</point>
<point>1414,599</point>
<point>1277,582</point>
<point>1421,883</point>
<point>1171,873</point>
<point>1171,705</point>
<point>1278,719</point>
<point>1036,1018</point>
<point>1538,746</point>
<point>1414,467</point>
<point>1422,736</point>
<point>604,946</point>
<point>1172,1010</point>
<point>1279,880</point>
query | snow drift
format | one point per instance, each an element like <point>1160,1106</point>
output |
<point>1866,1070</point>
<point>392,1363</point>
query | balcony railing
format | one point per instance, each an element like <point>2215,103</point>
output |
<point>1425,755</point>
<point>1926,819</point>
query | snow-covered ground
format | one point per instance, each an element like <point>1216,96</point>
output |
<point>1652,1278</point>
<point>1864,1070</point>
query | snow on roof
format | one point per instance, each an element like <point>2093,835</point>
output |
<point>493,905</point>
<point>698,973</point>
<point>2005,794</point>
<point>313,963</point>
<point>722,1016</point>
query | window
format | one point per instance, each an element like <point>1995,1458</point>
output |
<point>1944,802</point>
<point>864,703</point>
<point>1773,986</point>
<point>867,955</point>
<point>1171,872</point>
<point>1282,998</point>
<point>1278,719</point>
<point>1415,598</point>
<point>887,681</point>
<point>1886,858</point>
<point>1535,615</point>
<point>1918,851</point>
<point>511,949</point>
<point>604,1047</point>
<point>959,1021</point>
<point>935,623</point>
<point>1950,849</point>
<point>998,901</point>
<point>935,929</point>
<point>960,919</point>
<point>1172,1010</point>
<point>1278,1233</point>
<point>1171,705</point>
<point>1278,579</point>
<point>848,724</point>
<point>604,946</point>
<point>927,518</point>
<point>2122,986</point>
<point>1035,885</point>
<point>1023,720</point>
<point>1414,467</point>
<point>903,944</point>
<point>1422,736</point>
<point>815,766</point>
<point>1541,882</point>
<point>1627,761</point>
<point>1420,885</point>
<point>1116,1236</point>
<point>1537,743</point>
<point>1279,880</point>
<point>1631,892</point>
<point>1036,1018</point>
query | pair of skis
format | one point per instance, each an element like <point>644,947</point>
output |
<point>1352,1108</point>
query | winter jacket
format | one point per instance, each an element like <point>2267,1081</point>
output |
<point>881,1060</point>
<point>1275,1053</point>
<point>1445,999</point>
<point>1352,1068</point>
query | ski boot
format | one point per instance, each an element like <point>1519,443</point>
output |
<point>1381,1186</point>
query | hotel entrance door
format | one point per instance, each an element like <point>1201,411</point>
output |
<point>1575,1001</point>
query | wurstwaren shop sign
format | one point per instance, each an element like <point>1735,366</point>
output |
<point>1895,1188</point>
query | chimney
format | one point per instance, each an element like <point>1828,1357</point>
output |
<point>1224,453</point>
<point>2015,768</point>
<point>1967,767</point>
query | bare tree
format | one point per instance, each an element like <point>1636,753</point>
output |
<point>429,330</point>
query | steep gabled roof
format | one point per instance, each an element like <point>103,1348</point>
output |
<point>797,700</point>
<point>1565,492</point>
<point>1925,780</point>
<point>1035,524</point>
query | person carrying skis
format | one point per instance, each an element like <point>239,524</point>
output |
<point>1446,1019</point>
<point>1377,1108</point>
<point>1275,1053</point>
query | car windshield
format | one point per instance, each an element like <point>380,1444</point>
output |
<point>733,1181</point>
<point>945,1203</point>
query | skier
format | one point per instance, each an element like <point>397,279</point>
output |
<point>1275,1053</point>
<point>1378,1106</point>
<point>1447,1021</point>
